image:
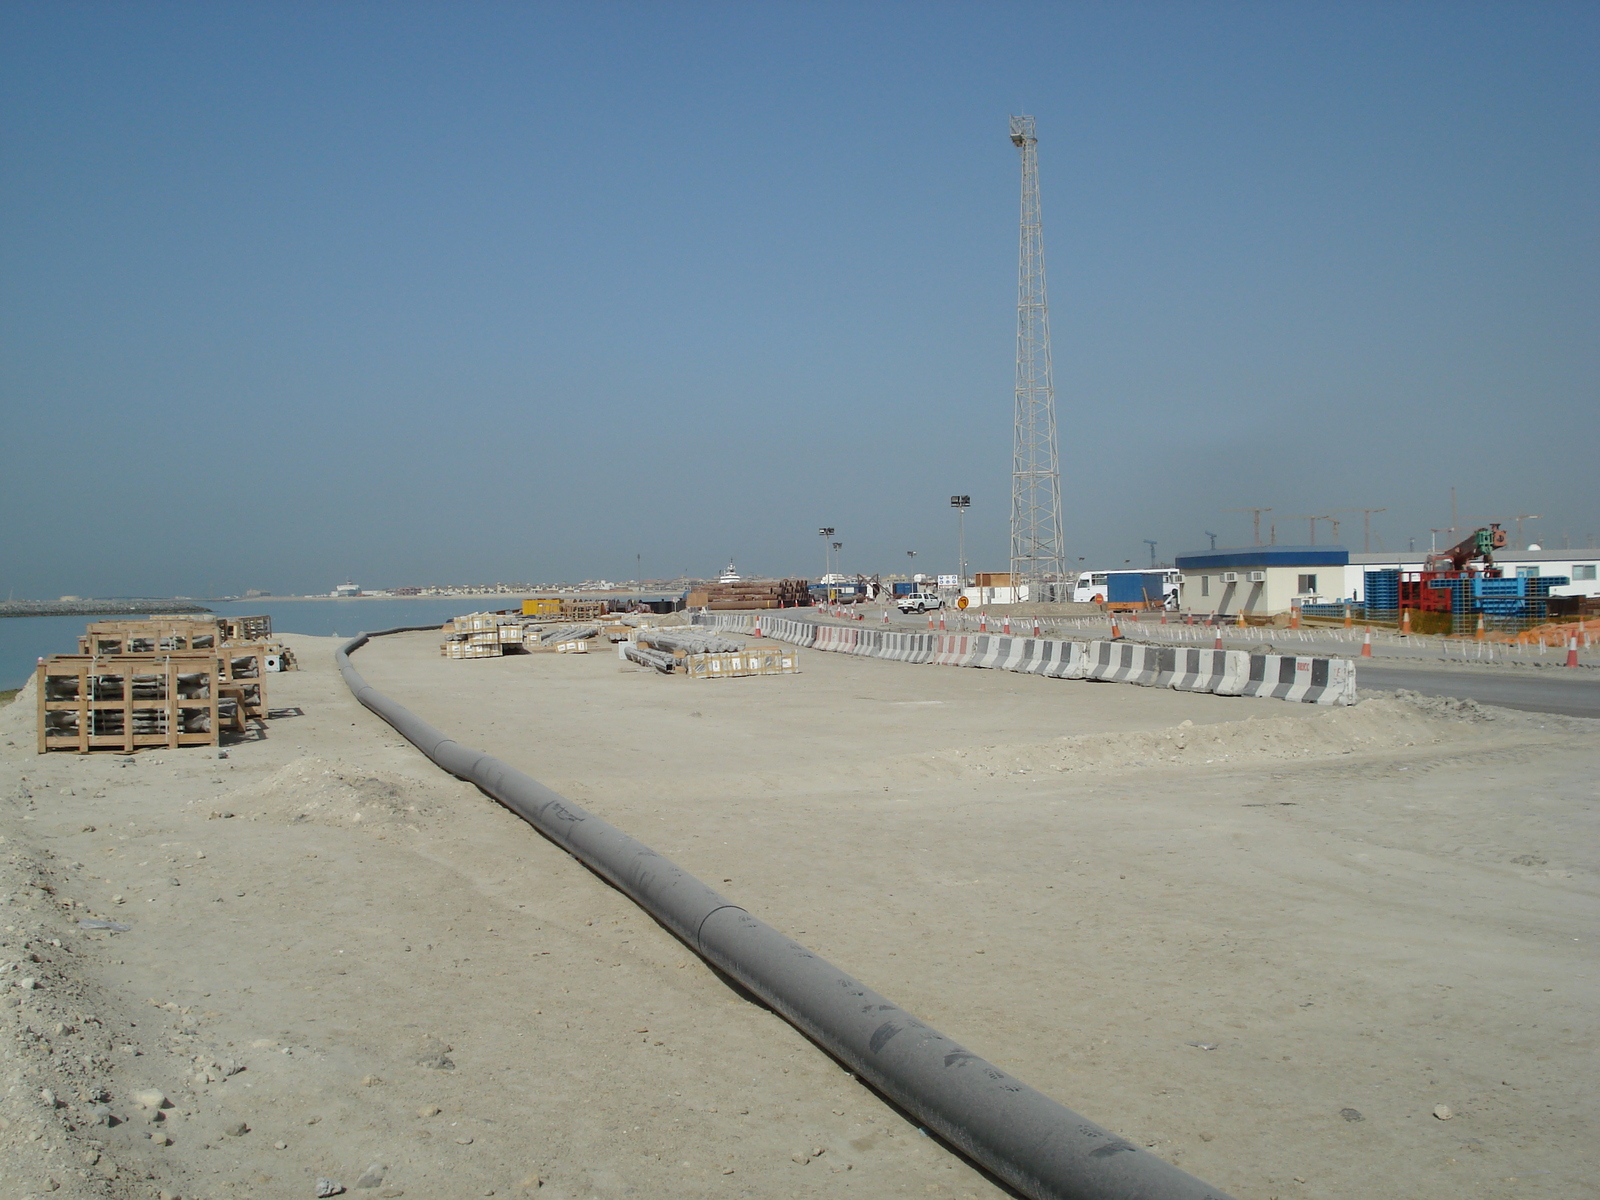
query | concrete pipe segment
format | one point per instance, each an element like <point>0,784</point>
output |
<point>1036,1145</point>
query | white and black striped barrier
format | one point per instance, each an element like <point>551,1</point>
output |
<point>1298,679</point>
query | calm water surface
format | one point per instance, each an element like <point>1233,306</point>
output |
<point>24,640</point>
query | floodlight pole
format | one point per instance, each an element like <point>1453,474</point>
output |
<point>961,504</point>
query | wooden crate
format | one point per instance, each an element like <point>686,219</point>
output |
<point>243,670</point>
<point>763,660</point>
<point>470,649</point>
<point>153,635</point>
<point>246,629</point>
<point>125,702</point>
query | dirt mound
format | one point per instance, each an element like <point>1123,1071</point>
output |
<point>331,793</point>
<point>1375,725</point>
<point>19,719</point>
<point>1445,706</point>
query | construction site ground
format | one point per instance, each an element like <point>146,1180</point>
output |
<point>1300,952</point>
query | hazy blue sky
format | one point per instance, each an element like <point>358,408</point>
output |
<point>447,292</point>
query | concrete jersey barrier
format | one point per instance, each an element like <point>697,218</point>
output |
<point>1305,680</point>
<point>1191,669</point>
<point>1300,680</point>
<point>1122,662</point>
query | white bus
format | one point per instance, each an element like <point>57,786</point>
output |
<point>1100,587</point>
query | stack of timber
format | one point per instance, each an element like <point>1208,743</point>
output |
<point>752,593</point>
<point>128,702</point>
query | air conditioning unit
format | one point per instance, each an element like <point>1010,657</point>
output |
<point>1258,576</point>
<point>1230,577</point>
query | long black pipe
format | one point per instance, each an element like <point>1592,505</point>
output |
<point>1040,1147</point>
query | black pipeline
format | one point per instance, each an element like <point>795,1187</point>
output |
<point>1041,1148</point>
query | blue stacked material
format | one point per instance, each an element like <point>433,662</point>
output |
<point>904,589</point>
<point>1335,611</point>
<point>1539,594</point>
<point>1382,591</point>
<point>1505,599</point>
<point>1462,616</point>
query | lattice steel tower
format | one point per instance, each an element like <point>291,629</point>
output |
<point>1037,550</point>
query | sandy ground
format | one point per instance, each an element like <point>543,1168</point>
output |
<point>1264,940</point>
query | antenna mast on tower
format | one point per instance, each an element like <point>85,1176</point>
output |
<point>1037,551</point>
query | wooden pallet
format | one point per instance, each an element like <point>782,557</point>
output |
<point>126,702</point>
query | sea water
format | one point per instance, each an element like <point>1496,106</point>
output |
<point>24,640</point>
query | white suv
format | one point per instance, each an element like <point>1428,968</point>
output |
<point>919,602</point>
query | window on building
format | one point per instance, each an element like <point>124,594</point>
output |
<point>1583,571</point>
<point>1528,572</point>
<point>1205,585</point>
<point>1308,585</point>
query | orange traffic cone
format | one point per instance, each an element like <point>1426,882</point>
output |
<point>1036,627</point>
<point>1240,621</point>
<point>886,616</point>
<point>1572,651</point>
<point>1005,627</point>
<point>757,632</point>
<point>941,620</point>
<point>1366,644</point>
<point>1405,623</point>
<point>983,622</point>
<point>1294,616</point>
<point>1347,621</point>
<point>1479,635</point>
<point>930,622</point>
<point>1116,631</point>
<point>1217,644</point>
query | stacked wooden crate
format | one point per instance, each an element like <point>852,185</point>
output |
<point>481,635</point>
<point>167,634</point>
<point>752,593</point>
<point>151,635</point>
<point>126,702</point>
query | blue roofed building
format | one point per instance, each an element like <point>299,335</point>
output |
<point>1261,580</point>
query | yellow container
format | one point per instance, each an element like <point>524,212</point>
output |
<point>541,607</point>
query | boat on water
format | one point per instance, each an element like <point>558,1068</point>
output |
<point>729,575</point>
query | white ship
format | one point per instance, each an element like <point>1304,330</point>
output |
<point>729,575</point>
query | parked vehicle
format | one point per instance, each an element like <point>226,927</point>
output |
<point>919,602</point>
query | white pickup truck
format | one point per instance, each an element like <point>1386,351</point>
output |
<point>918,602</point>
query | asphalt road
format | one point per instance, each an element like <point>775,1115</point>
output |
<point>1572,694</point>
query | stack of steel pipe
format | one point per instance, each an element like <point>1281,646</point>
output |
<point>689,641</point>
<point>645,656</point>
<point>568,633</point>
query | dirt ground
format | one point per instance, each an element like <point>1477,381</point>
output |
<point>1267,941</point>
